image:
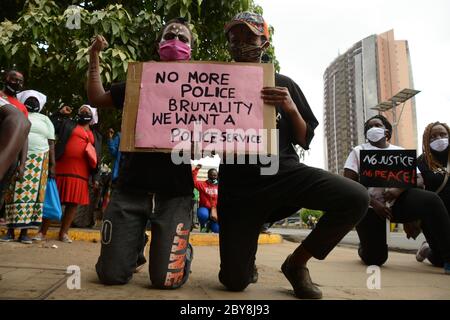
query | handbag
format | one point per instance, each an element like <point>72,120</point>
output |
<point>91,154</point>
<point>52,205</point>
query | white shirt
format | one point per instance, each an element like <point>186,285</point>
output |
<point>41,131</point>
<point>353,162</point>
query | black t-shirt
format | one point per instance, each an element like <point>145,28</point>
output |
<point>151,172</point>
<point>434,180</point>
<point>240,177</point>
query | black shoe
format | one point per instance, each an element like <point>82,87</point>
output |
<point>254,278</point>
<point>300,281</point>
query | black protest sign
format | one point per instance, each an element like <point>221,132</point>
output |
<point>388,168</point>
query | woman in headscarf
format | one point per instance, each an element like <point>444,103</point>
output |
<point>25,197</point>
<point>75,165</point>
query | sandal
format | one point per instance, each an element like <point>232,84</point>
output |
<point>39,237</point>
<point>65,238</point>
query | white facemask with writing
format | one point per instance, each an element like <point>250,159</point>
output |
<point>439,145</point>
<point>375,134</point>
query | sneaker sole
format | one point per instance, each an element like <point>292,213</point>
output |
<point>419,258</point>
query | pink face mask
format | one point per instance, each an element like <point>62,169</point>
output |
<point>174,49</point>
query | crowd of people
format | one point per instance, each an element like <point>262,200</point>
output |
<point>149,189</point>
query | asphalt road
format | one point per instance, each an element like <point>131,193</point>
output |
<point>397,241</point>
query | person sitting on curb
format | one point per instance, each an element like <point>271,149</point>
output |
<point>207,211</point>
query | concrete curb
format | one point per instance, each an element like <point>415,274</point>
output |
<point>196,238</point>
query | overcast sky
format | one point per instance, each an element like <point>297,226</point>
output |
<point>309,34</point>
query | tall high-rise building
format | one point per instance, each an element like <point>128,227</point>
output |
<point>372,71</point>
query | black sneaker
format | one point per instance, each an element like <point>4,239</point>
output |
<point>447,268</point>
<point>300,281</point>
<point>7,238</point>
<point>25,240</point>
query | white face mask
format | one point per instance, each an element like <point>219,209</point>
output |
<point>375,134</point>
<point>439,144</point>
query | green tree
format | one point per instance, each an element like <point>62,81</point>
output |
<point>44,39</point>
<point>305,213</point>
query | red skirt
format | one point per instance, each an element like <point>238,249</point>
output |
<point>72,169</point>
<point>73,190</point>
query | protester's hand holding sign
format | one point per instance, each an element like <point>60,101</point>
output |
<point>279,96</point>
<point>381,210</point>
<point>392,194</point>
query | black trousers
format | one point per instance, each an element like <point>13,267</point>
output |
<point>123,230</point>
<point>413,204</point>
<point>242,214</point>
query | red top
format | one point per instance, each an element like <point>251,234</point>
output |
<point>207,190</point>
<point>13,100</point>
<point>74,160</point>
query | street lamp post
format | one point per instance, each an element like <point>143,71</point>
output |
<point>391,104</point>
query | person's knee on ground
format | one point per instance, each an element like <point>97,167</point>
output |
<point>203,216</point>
<point>373,257</point>
<point>162,283</point>
<point>234,283</point>
<point>162,280</point>
<point>108,274</point>
<point>214,226</point>
<point>237,279</point>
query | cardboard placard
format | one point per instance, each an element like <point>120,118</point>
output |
<point>164,100</point>
<point>388,168</point>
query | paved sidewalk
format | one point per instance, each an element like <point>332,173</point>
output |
<point>196,238</point>
<point>38,272</point>
<point>397,241</point>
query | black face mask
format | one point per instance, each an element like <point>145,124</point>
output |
<point>246,52</point>
<point>13,88</point>
<point>32,105</point>
<point>83,118</point>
